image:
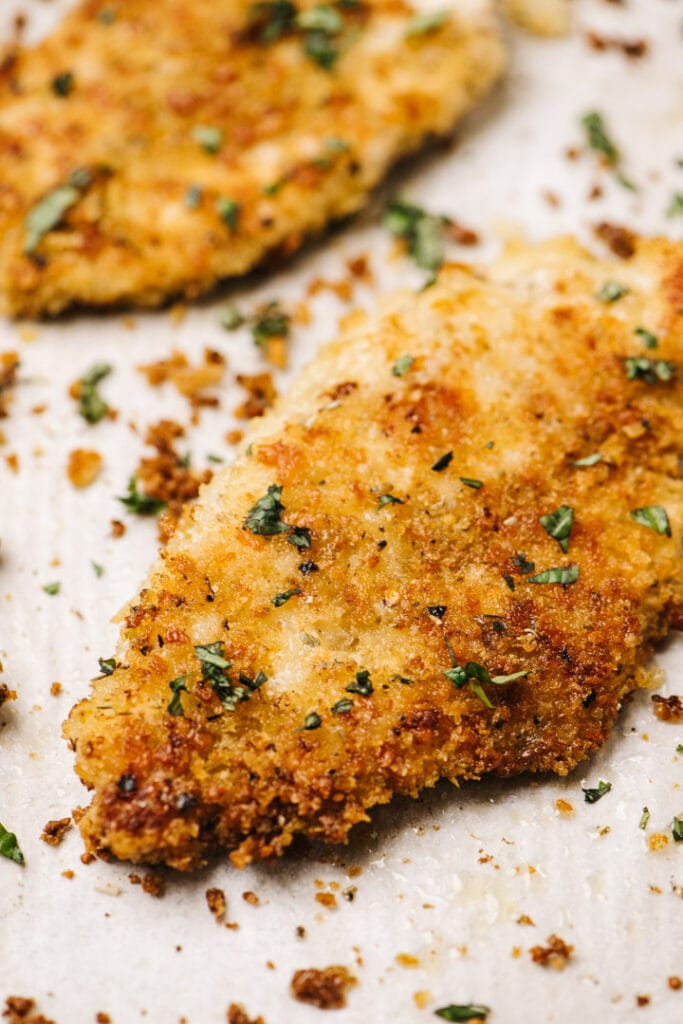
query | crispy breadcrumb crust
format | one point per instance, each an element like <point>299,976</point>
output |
<point>519,373</point>
<point>292,144</point>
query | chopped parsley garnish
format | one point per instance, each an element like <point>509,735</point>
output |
<point>63,83</point>
<point>648,339</point>
<point>52,588</point>
<point>253,684</point>
<point>611,291</point>
<point>284,597</point>
<point>107,16</point>
<point>49,211</point>
<point>91,406</point>
<point>177,686</point>
<point>422,232</point>
<point>509,581</point>
<point>591,796</point>
<point>677,830</point>
<point>461,1011</point>
<point>558,525</point>
<point>388,499</point>
<point>97,569</point>
<point>215,458</point>
<point>107,666</point>
<point>473,675</point>
<point>306,568</point>
<point>521,562</point>
<point>210,139</point>
<point>311,721</point>
<point>402,365</point>
<point>362,685</point>
<point>321,26</point>
<point>644,818</point>
<point>443,462</point>
<point>565,575</point>
<point>649,370</point>
<point>228,211</point>
<point>138,503</point>
<point>342,706</point>
<point>193,196</point>
<point>598,139</point>
<point>589,460</point>
<point>654,517</point>
<point>675,207</point>
<point>679,748</point>
<point>214,669</point>
<point>405,680</point>
<point>231,318</point>
<point>265,519</point>
<point>9,847</point>
<point>423,24</point>
<point>269,321</point>
<point>469,482</point>
<point>271,19</point>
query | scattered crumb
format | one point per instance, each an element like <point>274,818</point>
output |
<point>83,467</point>
<point>407,960</point>
<point>190,381</point>
<point>117,528</point>
<point>251,898</point>
<point>261,393</point>
<point>102,1018</point>
<point>326,899</point>
<point>359,267</point>
<point>525,919</point>
<point>54,831</point>
<point>166,476</point>
<point>68,874</point>
<point>541,17</point>
<point>668,709</point>
<point>87,858</point>
<point>675,983</point>
<point>275,351</point>
<point>238,1015</point>
<point>9,364</point>
<point>12,461</point>
<point>460,234</point>
<point>55,689</point>
<point>516,952</point>
<point>19,1010</point>
<point>642,1000</point>
<point>6,694</point>
<point>349,893</point>
<point>632,48</point>
<point>234,436</point>
<point>657,841</point>
<point>217,904</point>
<point>620,240</point>
<point>300,932</point>
<point>422,999</point>
<point>551,198</point>
<point>270,965</point>
<point>325,988</point>
<point>151,883</point>
<point>556,954</point>
<point>354,871</point>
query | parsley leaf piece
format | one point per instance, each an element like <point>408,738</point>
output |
<point>342,706</point>
<point>679,748</point>
<point>598,139</point>
<point>231,318</point>
<point>677,830</point>
<point>299,536</point>
<point>212,655</point>
<point>588,460</point>
<point>175,706</point>
<point>558,525</point>
<point>271,19</point>
<point>654,517</point>
<point>256,683</point>
<point>502,680</point>
<point>321,18</point>
<point>362,685</point>
<point>402,365</point>
<point>460,1012</point>
<point>423,24</point>
<point>269,321</point>
<point>97,569</point>
<point>422,232</point>
<point>591,796</point>
<point>63,83</point>
<point>521,562</point>
<point>48,212</point>
<point>209,138</point>
<point>9,847</point>
<point>402,679</point>
<point>675,207</point>
<point>214,668</point>
<point>611,291</point>
<point>474,674</point>
<point>306,568</point>
<point>648,339</point>
<point>107,666</point>
<point>311,721</point>
<point>649,370</point>
<point>228,211</point>
<point>138,503</point>
<point>264,518</point>
<point>443,462</point>
<point>469,482</point>
<point>564,574</point>
<point>284,597</point>
<point>644,818</point>
<point>388,499</point>
<point>52,588</point>
<point>91,406</point>
<point>193,196</point>
<point>320,25</point>
<point>509,581</point>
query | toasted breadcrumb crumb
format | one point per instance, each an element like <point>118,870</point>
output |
<point>217,903</point>
<point>668,709</point>
<point>261,393</point>
<point>251,898</point>
<point>19,1010</point>
<point>541,17</point>
<point>84,467</point>
<point>166,477</point>
<point>620,240</point>
<point>238,1015</point>
<point>9,365</point>
<point>54,831</point>
<point>555,954</point>
<point>325,988</point>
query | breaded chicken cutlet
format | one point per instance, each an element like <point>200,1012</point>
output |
<point>448,551</point>
<point>150,148</point>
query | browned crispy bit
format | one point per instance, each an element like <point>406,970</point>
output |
<point>555,954</point>
<point>620,240</point>
<point>83,467</point>
<point>217,903</point>
<point>20,1010</point>
<point>54,831</point>
<point>261,393</point>
<point>238,1015</point>
<point>9,365</point>
<point>668,709</point>
<point>325,988</point>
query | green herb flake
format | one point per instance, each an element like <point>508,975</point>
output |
<point>564,575</point>
<point>193,196</point>
<point>654,517</point>
<point>679,748</point>
<point>461,1011</point>
<point>362,685</point>
<point>509,581</point>
<point>649,370</point>
<point>91,406</point>
<point>424,24</point>
<point>107,16</point>
<point>469,482</point>
<point>52,588</point>
<point>210,139</point>
<point>321,18</point>
<point>675,207</point>
<point>63,83</point>
<point>311,721</point>
<point>48,213</point>
<point>648,339</point>
<point>611,291</point>
<point>402,365</point>
<point>677,830</point>
<point>591,796</point>
<point>216,459</point>
<point>231,318</point>
<point>588,460</point>
<point>256,683</point>
<point>9,847</point>
<point>228,211</point>
<point>271,19</point>
<point>269,321</point>
<point>521,562</point>
<point>558,525</point>
<point>264,518</point>
<point>404,680</point>
<point>443,462</point>
<point>299,536</point>
<point>97,569</point>
<point>598,138</point>
<point>107,666</point>
<point>283,598</point>
<point>644,818</point>
<point>422,232</point>
<point>473,674</point>
<point>342,707</point>
<point>214,668</point>
<point>138,503</point>
<point>388,499</point>
<point>177,686</point>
